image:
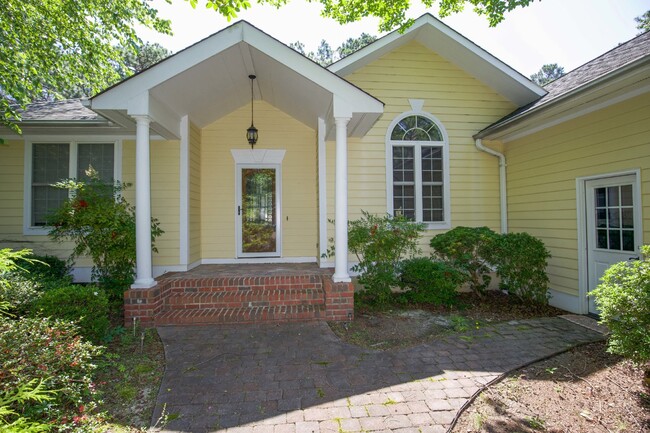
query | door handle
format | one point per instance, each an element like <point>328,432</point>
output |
<point>633,258</point>
<point>238,210</point>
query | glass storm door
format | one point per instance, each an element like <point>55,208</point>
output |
<point>613,226</point>
<point>258,211</point>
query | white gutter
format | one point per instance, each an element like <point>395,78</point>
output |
<point>503,198</point>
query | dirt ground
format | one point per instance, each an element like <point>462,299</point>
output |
<point>585,390</point>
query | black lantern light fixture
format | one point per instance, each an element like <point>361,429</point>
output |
<point>251,132</point>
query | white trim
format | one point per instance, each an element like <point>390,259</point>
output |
<point>446,187</point>
<point>83,274</point>
<point>565,301</point>
<point>278,209</point>
<point>341,202</point>
<point>503,189</point>
<point>258,156</point>
<point>573,114</point>
<point>249,260</point>
<point>583,259</point>
<point>73,142</point>
<point>322,188</point>
<point>184,191</point>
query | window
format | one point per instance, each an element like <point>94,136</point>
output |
<point>50,162</point>
<point>417,174</point>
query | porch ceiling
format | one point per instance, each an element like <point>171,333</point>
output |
<point>208,80</point>
<point>219,85</point>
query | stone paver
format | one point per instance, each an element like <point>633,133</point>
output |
<point>300,378</point>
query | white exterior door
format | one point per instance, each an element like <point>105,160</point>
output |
<point>613,212</point>
<point>258,211</point>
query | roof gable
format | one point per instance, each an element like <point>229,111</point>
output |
<point>438,37</point>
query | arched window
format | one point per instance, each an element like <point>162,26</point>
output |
<point>417,163</point>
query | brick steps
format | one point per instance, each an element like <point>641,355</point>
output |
<point>221,297</point>
<point>240,315</point>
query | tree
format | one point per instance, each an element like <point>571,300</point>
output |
<point>144,56</point>
<point>643,22</point>
<point>325,56</point>
<point>53,47</point>
<point>354,44</point>
<point>547,73</point>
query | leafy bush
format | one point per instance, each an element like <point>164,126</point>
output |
<point>87,306</point>
<point>101,223</point>
<point>13,422</point>
<point>429,282</point>
<point>50,351</point>
<point>623,298</point>
<point>19,291</point>
<point>520,260</point>
<point>380,243</point>
<point>468,249</point>
<point>47,267</point>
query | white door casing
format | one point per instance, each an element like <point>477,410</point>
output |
<point>612,210</point>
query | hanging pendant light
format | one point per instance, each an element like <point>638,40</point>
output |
<point>251,132</point>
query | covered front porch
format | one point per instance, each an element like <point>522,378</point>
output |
<point>241,293</point>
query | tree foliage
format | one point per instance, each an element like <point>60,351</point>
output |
<point>643,22</point>
<point>144,56</point>
<point>547,73</point>
<point>53,47</point>
<point>325,55</point>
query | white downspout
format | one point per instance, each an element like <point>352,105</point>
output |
<point>503,198</point>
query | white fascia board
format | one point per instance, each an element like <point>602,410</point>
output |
<point>358,100</point>
<point>118,96</point>
<point>440,38</point>
<point>165,122</point>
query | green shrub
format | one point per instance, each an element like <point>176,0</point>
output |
<point>520,261</point>
<point>49,267</point>
<point>87,306</point>
<point>429,282</point>
<point>623,298</point>
<point>380,243</point>
<point>50,351</point>
<point>11,421</point>
<point>101,224</point>
<point>468,249</point>
<point>19,292</point>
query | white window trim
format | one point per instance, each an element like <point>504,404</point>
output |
<point>28,229</point>
<point>446,190</point>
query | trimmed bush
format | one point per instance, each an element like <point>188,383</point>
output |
<point>48,267</point>
<point>380,243</point>
<point>87,306</point>
<point>520,261</point>
<point>429,282</point>
<point>623,298</point>
<point>468,249</point>
<point>50,351</point>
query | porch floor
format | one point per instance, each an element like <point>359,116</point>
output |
<point>242,293</point>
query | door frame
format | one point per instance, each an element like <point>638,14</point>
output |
<point>583,247</point>
<point>278,210</point>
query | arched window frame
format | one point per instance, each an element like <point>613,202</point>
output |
<point>417,145</point>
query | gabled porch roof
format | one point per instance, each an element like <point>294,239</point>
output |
<point>210,79</point>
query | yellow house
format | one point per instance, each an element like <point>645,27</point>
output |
<point>424,123</point>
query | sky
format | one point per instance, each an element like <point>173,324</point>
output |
<point>566,32</point>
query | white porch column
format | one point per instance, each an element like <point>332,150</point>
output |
<point>341,201</point>
<point>143,277</point>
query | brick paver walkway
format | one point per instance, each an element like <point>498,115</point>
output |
<point>300,378</point>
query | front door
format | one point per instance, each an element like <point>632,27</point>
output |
<point>258,211</point>
<point>613,226</point>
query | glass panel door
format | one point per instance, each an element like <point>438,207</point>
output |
<point>258,211</point>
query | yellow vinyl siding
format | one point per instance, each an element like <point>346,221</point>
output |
<point>195,194</point>
<point>299,204</point>
<point>461,103</point>
<point>542,171</point>
<point>165,199</point>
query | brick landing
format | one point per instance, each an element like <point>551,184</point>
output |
<point>227,294</point>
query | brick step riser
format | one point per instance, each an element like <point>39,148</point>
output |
<point>249,298</point>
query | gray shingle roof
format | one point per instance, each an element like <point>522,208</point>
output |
<point>71,110</point>
<point>614,59</point>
